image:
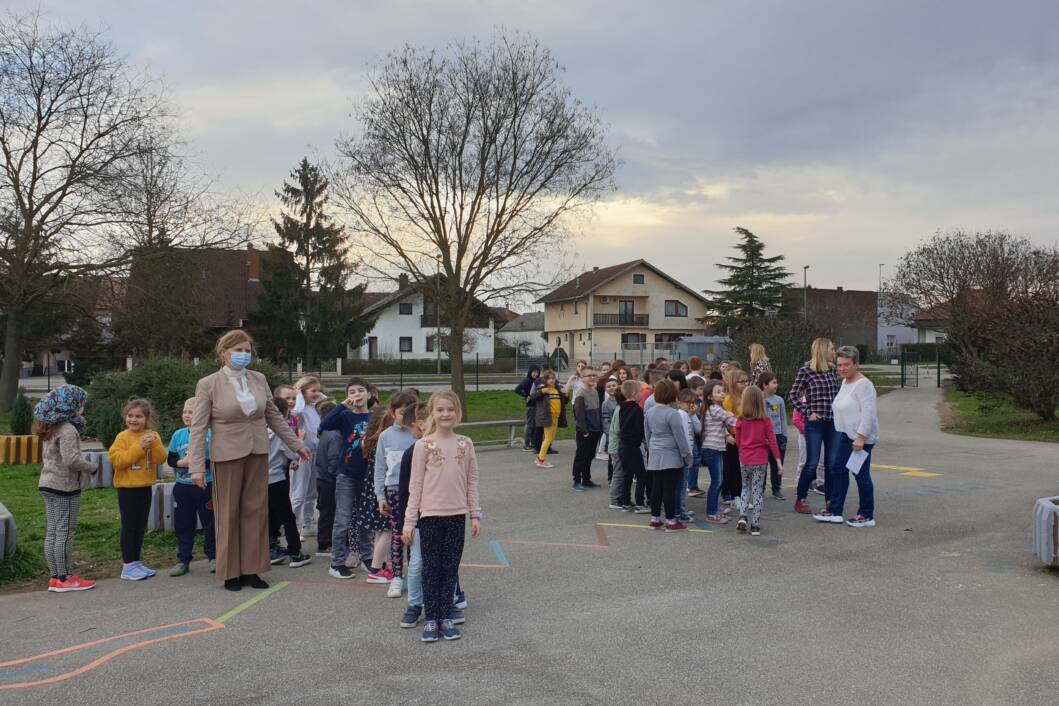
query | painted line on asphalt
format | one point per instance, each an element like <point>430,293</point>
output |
<point>552,544</point>
<point>601,536</point>
<point>161,633</point>
<point>647,527</point>
<point>344,583</point>
<point>500,556</point>
<point>253,601</point>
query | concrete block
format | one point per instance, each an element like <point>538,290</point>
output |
<point>1046,530</point>
<point>8,533</point>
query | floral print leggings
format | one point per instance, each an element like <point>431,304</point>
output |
<point>753,494</point>
<point>396,519</point>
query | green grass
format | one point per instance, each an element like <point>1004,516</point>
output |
<point>994,416</point>
<point>5,422</point>
<point>97,553</point>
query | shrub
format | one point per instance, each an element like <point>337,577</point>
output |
<point>166,382</point>
<point>21,415</point>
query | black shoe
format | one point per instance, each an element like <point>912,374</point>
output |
<point>254,581</point>
<point>551,450</point>
<point>590,484</point>
<point>233,584</point>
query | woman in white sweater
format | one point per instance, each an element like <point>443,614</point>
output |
<point>856,432</point>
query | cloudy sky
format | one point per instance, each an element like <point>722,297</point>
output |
<point>840,132</point>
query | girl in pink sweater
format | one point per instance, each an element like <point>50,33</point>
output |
<point>443,490</point>
<point>755,438</point>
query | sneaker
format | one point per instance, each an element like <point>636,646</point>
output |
<point>72,583</point>
<point>802,507</point>
<point>133,572</point>
<point>396,587</point>
<point>340,572</point>
<point>816,488</point>
<point>602,456</point>
<point>297,560</point>
<point>411,616</point>
<point>323,551</point>
<point>641,509</point>
<point>826,516</point>
<point>861,521</point>
<point>146,569</point>
<point>540,464</point>
<point>52,583</point>
<point>717,519</point>
<point>179,569</point>
<point>725,511</point>
<point>461,600</point>
<point>380,576</point>
<point>449,631</point>
<point>613,506</point>
<point>213,566</point>
<point>755,531</point>
<point>628,508</point>
<point>456,616</point>
<point>675,526</point>
<point>696,492</point>
<point>430,631</point>
<point>308,532</point>
<point>655,524</point>
<point>590,484</point>
<point>777,495</point>
<point>685,518</point>
<point>579,487</point>
<point>276,555</point>
<point>741,525</point>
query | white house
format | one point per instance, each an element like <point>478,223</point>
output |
<point>407,325</point>
<point>526,333</point>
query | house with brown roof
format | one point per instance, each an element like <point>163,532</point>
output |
<point>632,310</point>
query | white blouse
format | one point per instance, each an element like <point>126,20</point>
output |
<point>855,412</point>
<point>240,381</point>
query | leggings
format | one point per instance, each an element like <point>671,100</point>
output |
<point>281,516</point>
<point>549,437</point>
<point>396,520</point>
<point>733,480</point>
<point>664,491</point>
<point>61,512</point>
<point>442,539</point>
<point>134,505</point>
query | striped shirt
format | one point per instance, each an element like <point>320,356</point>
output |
<point>715,420</point>
<point>818,389</point>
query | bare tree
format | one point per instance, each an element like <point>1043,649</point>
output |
<point>72,116</point>
<point>468,164</point>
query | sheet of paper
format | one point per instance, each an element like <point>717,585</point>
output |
<point>856,461</point>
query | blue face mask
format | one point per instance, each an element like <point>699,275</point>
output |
<point>239,359</point>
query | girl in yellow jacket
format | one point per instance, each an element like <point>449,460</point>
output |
<point>134,455</point>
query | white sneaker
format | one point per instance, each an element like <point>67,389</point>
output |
<point>859,521</point>
<point>542,464</point>
<point>612,506</point>
<point>602,456</point>
<point>828,517</point>
<point>396,588</point>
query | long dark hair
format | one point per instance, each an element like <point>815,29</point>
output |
<point>380,422</point>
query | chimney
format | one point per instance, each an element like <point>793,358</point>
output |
<point>402,282</point>
<point>838,288</point>
<point>595,268</point>
<point>577,283</point>
<point>253,264</point>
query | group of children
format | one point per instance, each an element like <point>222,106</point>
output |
<point>656,434</point>
<point>385,481</point>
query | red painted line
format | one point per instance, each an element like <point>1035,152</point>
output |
<point>482,566</point>
<point>601,536</point>
<point>210,626</point>
<point>553,544</point>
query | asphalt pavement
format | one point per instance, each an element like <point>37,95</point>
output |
<point>941,603</point>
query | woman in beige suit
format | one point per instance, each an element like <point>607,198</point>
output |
<point>237,405</point>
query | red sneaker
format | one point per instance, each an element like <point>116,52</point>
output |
<point>52,584</point>
<point>655,524</point>
<point>380,576</point>
<point>676,526</point>
<point>72,583</point>
<point>802,507</point>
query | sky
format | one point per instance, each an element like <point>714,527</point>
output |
<point>841,133</point>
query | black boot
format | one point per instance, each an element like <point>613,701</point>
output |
<point>254,581</point>
<point>233,584</point>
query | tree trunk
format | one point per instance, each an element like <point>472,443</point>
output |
<point>12,366</point>
<point>456,364</point>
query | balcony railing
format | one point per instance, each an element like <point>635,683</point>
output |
<point>621,319</point>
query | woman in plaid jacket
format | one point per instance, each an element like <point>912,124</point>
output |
<point>812,393</point>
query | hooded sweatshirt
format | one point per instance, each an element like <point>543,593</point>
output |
<point>392,444</point>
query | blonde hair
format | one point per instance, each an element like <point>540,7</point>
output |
<point>281,388</point>
<point>325,405</point>
<point>230,340</point>
<point>190,400</point>
<point>757,354</point>
<point>307,381</point>
<point>430,426</point>
<point>631,390</point>
<point>753,404</point>
<point>818,362</point>
<point>141,404</point>
<point>735,375</point>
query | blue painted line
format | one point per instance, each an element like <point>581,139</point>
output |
<point>500,556</point>
<point>701,524</point>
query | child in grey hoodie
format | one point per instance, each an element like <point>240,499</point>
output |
<point>280,512</point>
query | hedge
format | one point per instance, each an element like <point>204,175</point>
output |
<point>166,382</point>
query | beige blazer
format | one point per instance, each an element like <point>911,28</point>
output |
<point>235,434</point>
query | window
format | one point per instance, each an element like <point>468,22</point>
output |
<point>558,341</point>
<point>637,279</point>
<point>406,343</point>
<point>404,308</point>
<point>430,344</point>
<point>891,341</point>
<point>676,308</point>
<point>575,306</point>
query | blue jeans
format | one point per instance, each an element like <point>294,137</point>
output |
<point>838,478</point>
<point>693,472</point>
<point>713,460</point>
<point>415,571</point>
<point>193,505</point>
<point>817,434</point>
<point>347,490</point>
<point>682,490</point>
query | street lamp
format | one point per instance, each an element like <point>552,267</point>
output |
<point>805,292</point>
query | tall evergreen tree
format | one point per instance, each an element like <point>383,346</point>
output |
<point>306,301</point>
<point>278,319</point>
<point>754,285</point>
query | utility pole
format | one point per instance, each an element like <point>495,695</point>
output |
<point>880,277</point>
<point>437,310</point>
<point>805,292</point>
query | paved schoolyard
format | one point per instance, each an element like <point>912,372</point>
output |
<point>942,603</point>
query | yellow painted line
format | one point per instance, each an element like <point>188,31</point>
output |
<point>920,474</point>
<point>253,601</point>
<point>895,468</point>
<point>646,527</point>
